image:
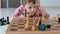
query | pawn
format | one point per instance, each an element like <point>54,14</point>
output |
<point>27,25</point>
<point>7,21</point>
<point>55,19</point>
<point>43,19</point>
<point>31,16</point>
<point>3,21</point>
<point>42,27</point>
<point>0,22</point>
<point>59,20</point>
<point>39,20</point>
<point>48,26</point>
<point>34,27</point>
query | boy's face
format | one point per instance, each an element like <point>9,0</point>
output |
<point>31,8</point>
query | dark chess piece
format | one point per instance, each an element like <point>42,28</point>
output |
<point>0,22</point>
<point>48,26</point>
<point>3,21</point>
<point>59,20</point>
<point>7,21</point>
<point>31,16</point>
<point>41,26</point>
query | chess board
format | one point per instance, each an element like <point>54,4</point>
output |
<point>17,27</point>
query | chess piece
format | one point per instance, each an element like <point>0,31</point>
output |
<point>41,26</point>
<point>27,25</point>
<point>43,19</point>
<point>55,18</point>
<point>7,21</point>
<point>48,26</point>
<point>31,16</point>
<point>0,22</point>
<point>59,20</point>
<point>34,26</point>
<point>39,17</point>
<point>3,21</point>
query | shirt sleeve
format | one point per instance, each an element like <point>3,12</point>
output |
<point>43,11</point>
<point>18,10</point>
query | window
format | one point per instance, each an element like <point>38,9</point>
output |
<point>10,3</point>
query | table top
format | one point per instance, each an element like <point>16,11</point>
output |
<point>17,26</point>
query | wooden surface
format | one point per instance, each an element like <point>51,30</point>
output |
<point>17,27</point>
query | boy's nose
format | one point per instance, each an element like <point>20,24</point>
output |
<point>32,10</point>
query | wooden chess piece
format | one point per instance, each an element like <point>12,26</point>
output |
<point>38,20</point>
<point>43,19</point>
<point>57,17</point>
<point>27,25</point>
<point>34,26</point>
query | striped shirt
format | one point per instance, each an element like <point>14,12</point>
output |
<point>39,11</point>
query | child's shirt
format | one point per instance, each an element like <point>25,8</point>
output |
<point>39,11</point>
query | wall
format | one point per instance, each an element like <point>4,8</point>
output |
<point>54,3</point>
<point>4,3</point>
<point>13,3</point>
<point>0,8</point>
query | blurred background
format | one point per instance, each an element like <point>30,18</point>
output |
<point>7,7</point>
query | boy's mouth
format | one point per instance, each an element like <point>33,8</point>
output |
<point>31,13</point>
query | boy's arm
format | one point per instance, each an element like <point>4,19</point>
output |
<point>18,11</point>
<point>43,11</point>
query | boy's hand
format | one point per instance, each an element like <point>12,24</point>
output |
<point>45,15</point>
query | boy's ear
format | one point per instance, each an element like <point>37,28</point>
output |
<point>24,7</point>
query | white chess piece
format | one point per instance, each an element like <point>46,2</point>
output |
<point>27,25</point>
<point>43,19</point>
<point>34,26</point>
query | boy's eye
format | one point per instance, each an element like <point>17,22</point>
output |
<point>34,6</point>
<point>30,7</point>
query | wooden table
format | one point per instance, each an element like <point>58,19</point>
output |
<point>17,27</point>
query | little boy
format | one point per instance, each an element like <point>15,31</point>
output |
<point>32,7</point>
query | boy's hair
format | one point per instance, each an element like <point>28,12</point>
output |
<point>28,1</point>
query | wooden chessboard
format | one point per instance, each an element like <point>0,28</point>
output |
<point>17,27</point>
